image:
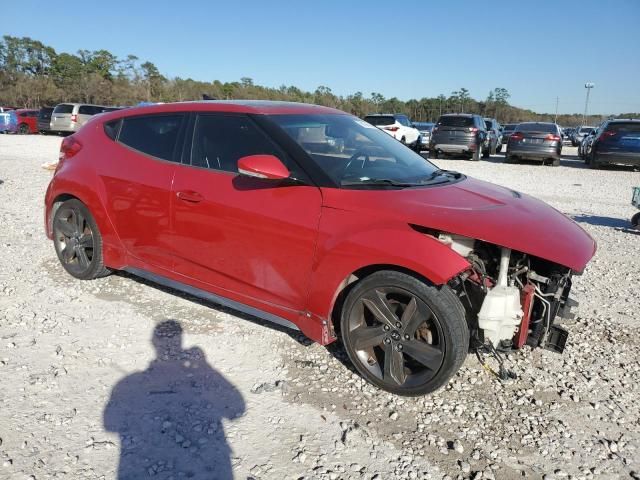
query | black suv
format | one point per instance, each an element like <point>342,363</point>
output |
<point>460,133</point>
<point>617,142</point>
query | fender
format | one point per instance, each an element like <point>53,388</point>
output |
<point>361,244</point>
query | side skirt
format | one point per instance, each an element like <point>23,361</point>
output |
<point>211,297</point>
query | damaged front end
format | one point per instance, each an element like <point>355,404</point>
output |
<point>511,298</point>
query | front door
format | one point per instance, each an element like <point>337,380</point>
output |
<point>252,240</point>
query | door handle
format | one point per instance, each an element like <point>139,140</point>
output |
<point>189,196</point>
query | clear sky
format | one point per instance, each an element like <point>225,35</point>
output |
<point>537,49</point>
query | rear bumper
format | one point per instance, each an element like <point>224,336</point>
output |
<point>44,126</point>
<point>534,153</point>
<point>619,158</point>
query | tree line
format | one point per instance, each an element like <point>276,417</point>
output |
<point>33,74</point>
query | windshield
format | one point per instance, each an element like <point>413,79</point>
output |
<point>380,120</point>
<point>537,127</point>
<point>586,130</point>
<point>355,153</point>
<point>455,121</point>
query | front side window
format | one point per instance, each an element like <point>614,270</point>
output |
<point>154,135</point>
<point>356,154</point>
<point>219,141</point>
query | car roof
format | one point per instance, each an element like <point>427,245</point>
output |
<point>266,107</point>
<point>458,115</point>
<point>625,120</point>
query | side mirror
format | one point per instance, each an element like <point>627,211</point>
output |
<point>263,166</point>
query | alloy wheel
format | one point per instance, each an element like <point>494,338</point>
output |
<point>74,240</point>
<point>396,337</point>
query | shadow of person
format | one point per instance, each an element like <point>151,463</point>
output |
<point>169,417</point>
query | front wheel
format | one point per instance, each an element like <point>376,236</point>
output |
<point>635,220</point>
<point>403,335</point>
<point>77,241</point>
<point>23,129</point>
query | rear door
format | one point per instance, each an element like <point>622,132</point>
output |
<point>249,239</point>
<point>137,179</point>
<point>61,116</point>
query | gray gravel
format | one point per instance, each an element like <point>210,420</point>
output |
<point>81,386</point>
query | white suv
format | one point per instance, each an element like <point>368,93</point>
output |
<point>398,126</point>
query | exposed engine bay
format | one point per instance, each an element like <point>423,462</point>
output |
<point>511,299</point>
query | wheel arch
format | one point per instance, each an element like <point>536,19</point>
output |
<point>350,281</point>
<point>113,251</point>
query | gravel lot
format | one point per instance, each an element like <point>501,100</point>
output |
<point>82,388</point>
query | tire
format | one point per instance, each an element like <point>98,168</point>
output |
<point>433,154</point>
<point>23,129</point>
<point>486,153</point>
<point>555,162</point>
<point>499,148</point>
<point>593,163</point>
<point>477,155</point>
<point>635,220</point>
<point>78,242</point>
<point>410,316</point>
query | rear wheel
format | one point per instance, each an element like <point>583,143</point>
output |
<point>433,154</point>
<point>635,220</point>
<point>555,162</point>
<point>78,242</point>
<point>403,335</point>
<point>23,129</point>
<point>476,156</point>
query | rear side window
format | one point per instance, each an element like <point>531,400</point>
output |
<point>89,110</point>
<point>155,135</point>
<point>456,121</point>
<point>63,108</point>
<point>219,141</point>
<point>403,120</point>
<point>380,120</point>
<point>112,128</point>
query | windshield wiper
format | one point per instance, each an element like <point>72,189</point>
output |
<point>441,172</point>
<point>377,182</point>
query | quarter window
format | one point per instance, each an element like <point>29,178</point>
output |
<point>155,135</point>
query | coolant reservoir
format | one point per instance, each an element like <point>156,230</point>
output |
<point>500,313</point>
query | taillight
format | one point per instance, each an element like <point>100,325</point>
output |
<point>606,135</point>
<point>392,129</point>
<point>70,146</point>
<point>74,118</point>
<point>516,136</point>
<point>553,138</point>
<point>473,129</point>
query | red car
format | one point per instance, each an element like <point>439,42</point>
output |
<point>314,219</point>
<point>27,121</point>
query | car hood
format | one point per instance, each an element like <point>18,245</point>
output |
<point>482,211</point>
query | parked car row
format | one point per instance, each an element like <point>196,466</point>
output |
<point>64,118</point>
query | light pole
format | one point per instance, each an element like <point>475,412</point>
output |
<point>588,86</point>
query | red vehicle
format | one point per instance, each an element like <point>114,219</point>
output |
<point>27,121</point>
<point>314,219</point>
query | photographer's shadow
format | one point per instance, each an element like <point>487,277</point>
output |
<point>169,417</point>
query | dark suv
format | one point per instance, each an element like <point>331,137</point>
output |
<point>495,135</point>
<point>44,120</point>
<point>617,141</point>
<point>460,133</point>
